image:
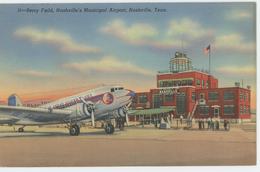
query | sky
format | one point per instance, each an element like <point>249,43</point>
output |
<point>44,51</point>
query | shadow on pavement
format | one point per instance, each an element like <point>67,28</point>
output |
<point>5,134</point>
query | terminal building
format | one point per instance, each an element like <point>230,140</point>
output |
<point>193,93</point>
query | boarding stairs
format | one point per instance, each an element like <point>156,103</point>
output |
<point>194,109</point>
<point>190,115</point>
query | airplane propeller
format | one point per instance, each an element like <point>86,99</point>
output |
<point>91,108</point>
<point>92,118</point>
<point>126,113</point>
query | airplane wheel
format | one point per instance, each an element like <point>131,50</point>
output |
<point>74,130</point>
<point>109,129</point>
<point>20,130</point>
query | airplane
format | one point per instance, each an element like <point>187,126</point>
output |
<point>100,104</point>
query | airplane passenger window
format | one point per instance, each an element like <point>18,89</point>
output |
<point>112,89</point>
<point>121,88</point>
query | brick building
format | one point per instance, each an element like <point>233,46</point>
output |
<point>194,93</point>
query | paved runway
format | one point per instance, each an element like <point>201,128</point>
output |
<point>133,147</point>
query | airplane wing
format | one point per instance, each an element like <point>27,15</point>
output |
<point>29,109</point>
<point>7,119</point>
<point>17,114</point>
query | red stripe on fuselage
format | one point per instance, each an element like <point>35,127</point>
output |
<point>76,100</point>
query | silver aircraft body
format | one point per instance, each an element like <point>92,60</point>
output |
<point>102,103</point>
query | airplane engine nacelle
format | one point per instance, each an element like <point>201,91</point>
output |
<point>87,108</point>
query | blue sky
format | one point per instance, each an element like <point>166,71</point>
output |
<point>41,52</point>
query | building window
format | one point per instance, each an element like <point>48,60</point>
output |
<point>189,82</point>
<point>228,95</point>
<point>157,101</point>
<point>193,96</point>
<point>245,112</point>
<point>184,82</point>
<point>229,109</point>
<point>168,98</point>
<point>241,96</point>
<point>204,110</point>
<point>142,99</point>
<point>213,95</point>
<point>202,95</point>
<point>241,109</point>
<point>166,83</point>
<point>202,83</point>
<point>245,97</point>
<point>198,82</point>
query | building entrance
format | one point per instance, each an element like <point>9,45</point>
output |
<point>181,103</point>
<point>216,111</point>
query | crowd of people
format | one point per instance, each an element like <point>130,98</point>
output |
<point>187,122</point>
<point>212,123</point>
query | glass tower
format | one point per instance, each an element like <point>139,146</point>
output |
<point>180,63</point>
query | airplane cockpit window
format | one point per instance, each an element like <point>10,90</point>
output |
<point>116,88</point>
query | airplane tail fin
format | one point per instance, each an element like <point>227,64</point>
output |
<point>14,100</point>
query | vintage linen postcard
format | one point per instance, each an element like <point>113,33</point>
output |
<point>127,84</point>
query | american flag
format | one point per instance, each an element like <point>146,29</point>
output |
<point>207,49</point>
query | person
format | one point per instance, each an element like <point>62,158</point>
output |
<point>226,124</point>
<point>190,121</point>
<point>212,123</point>
<point>199,123</point>
<point>217,124</point>
<point>209,123</point>
<point>202,121</point>
<point>181,118</point>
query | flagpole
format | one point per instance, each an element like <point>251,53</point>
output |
<point>209,59</point>
<point>209,84</point>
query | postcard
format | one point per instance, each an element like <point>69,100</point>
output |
<point>127,84</point>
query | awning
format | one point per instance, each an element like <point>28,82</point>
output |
<point>154,111</point>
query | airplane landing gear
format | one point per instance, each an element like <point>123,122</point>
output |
<point>120,123</point>
<point>109,128</point>
<point>74,130</point>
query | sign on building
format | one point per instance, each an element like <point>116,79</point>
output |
<point>168,91</point>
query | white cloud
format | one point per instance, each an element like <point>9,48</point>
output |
<point>237,70</point>
<point>234,42</point>
<point>179,32</point>
<point>238,15</point>
<point>107,64</point>
<point>134,33</point>
<point>34,74</point>
<point>58,39</point>
<point>138,33</point>
<point>186,27</point>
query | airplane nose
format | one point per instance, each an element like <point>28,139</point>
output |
<point>131,93</point>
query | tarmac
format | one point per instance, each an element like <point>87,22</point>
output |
<point>135,146</point>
